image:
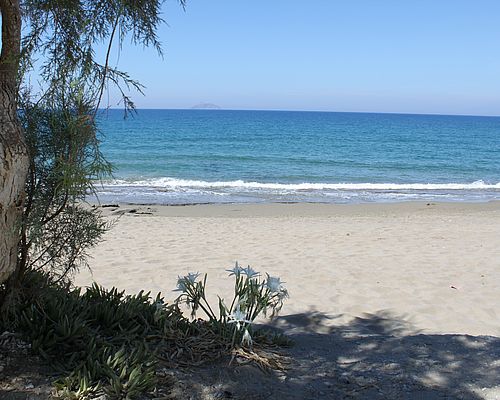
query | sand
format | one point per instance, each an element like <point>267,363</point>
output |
<point>387,301</point>
<point>433,266</point>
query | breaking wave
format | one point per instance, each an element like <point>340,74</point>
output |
<point>173,184</point>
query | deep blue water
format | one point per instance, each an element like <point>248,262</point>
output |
<point>193,156</point>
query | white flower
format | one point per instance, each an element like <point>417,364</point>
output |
<point>183,281</point>
<point>238,317</point>
<point>274,284</point>
<point>237,270</point>
<point>191,277</point>
<point>246,339</point>
<point>250,272</point>
<point>181,284</point>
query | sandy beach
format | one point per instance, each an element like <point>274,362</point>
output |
<point>433,266</point>
<point>156,157</point>
<point>387,301</point>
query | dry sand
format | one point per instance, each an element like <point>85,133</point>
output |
<point>434,266</point>
<point>386,300</point>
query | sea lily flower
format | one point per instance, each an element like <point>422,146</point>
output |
<point>238,317</point>
<point>274,284</point>
<point>183,281</point>
<point>191,277</point>
<point>250,272</point>
<point>181,284</point>
<point>246,339</point>
<point>237,270</point>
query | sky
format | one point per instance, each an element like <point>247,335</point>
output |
<point>425,56</point>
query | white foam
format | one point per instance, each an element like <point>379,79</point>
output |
<point>174,184</point>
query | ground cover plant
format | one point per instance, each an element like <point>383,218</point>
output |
<point>104,342</point>
<point>99,341</point>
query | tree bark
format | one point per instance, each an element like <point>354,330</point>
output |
<point>14,160</point>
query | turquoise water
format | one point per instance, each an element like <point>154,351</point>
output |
<point>205,156</point>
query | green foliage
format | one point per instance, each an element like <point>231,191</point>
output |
<point>100,341</point>
<point>62,36</point>
<point>65,162</point>
<point>120,374</point>
<point>59,114</point>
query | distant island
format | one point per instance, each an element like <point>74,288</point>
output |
<point>206,106</point>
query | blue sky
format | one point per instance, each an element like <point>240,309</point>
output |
<point>425,56</point>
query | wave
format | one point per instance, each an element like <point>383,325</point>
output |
<point>173,183</point>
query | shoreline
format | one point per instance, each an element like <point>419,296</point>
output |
<point>434,267</point>
<point>285,208</point>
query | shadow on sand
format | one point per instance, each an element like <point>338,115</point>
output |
<point>378,356</point>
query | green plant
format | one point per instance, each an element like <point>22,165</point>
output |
<point>57,228</point>
<point>120,374</point>
<point>52,84</point>
<point>253,296</point>
<point>100,341</point>
<point>104,341</point>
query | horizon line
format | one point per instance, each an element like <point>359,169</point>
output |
<point>311,111</point>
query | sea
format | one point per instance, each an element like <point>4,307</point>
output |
<point>226,156</point>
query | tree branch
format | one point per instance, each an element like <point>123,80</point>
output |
<point>106,64</point>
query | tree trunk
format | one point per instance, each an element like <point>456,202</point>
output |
<point>14,160</point>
